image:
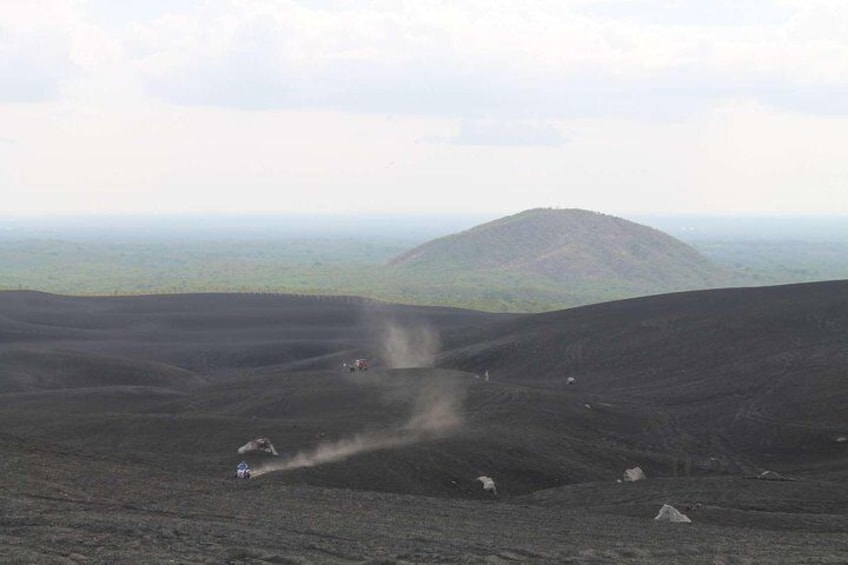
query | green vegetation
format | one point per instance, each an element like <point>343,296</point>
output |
<point>314,266</point>
<point>351,267</point>
<point>87,267</point>
<point>779,262</point>
<point>480,268</point>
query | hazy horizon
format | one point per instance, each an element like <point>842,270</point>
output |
<point>400,226</point>
<point>423,107</point>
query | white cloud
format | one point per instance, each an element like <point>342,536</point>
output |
<point>247,105</point>
<point>35,49</point>
<point>479,58</point>
<point>503,133</point>
<point>469,58</point>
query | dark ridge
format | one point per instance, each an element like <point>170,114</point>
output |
<point>216,333</point>
<point>729,378</point>
<point>29,370</point>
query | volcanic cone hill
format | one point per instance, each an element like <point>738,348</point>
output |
<point>569,247</point>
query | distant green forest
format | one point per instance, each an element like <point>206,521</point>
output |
<point>303,266</point>
<point>779,262</point>
<point>353,266</point>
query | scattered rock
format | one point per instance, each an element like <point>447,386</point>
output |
<point>671,514</point>
<point>773,476</point>
<point>488,484</point>
<point>634,474</point>
<point>259,444</point>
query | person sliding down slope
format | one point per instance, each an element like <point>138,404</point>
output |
<point>242,471</point>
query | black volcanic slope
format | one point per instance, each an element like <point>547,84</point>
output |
<point>724,380</point>
<point>120,418</point>
<point>216,333</point>
<point>570,246</point>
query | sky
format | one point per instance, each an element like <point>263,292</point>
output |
<point>423,106</point>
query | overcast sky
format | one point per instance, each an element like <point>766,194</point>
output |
<point>484,106</point>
